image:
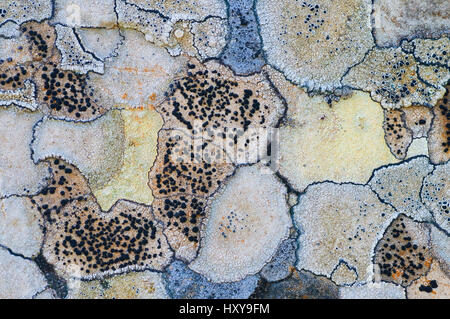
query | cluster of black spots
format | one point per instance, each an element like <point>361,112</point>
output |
<point>66,186</point>
<point>205,97</point>
<point>397,135</point>
<point>404,87</point>
<point>312,18</point>
<point>400,254</point>
<point>429,287</point>
<point>3,13</point>
<point>40,38</point>
<point>64,92</point>
<point>187,176</point>
<point>78,233</point>
<point>13,77</point>
<point>107,244</point>
<point>182,213</point>
<point>243,53</point>
<point>443,109</point>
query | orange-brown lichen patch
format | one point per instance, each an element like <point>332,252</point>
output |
<point>187,166</point>
<point>397,135</point>
<point>83,241</point>
<point>182,217</point>
<point>403,254</point>
<point>439,135</point>
<point>418,119</point>
<point>212,103</point>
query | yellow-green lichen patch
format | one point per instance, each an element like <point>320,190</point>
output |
<point>133,285</point>
<point>314,43</point>
<point>241,236</point>
<point>140,134</point>
<point>342,143</point>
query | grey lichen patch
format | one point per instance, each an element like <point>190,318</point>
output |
<point>19,175</point>
<point>403,254</point>
<point>392,78</point>
<point>436,195</point>
<point>394,20</point>
<point>73,55</point>
<point>183,283</point>
<point>282,263</point>
<point>243,53</point>
<point>313,43</point>
<point>379,290</point>
<point>76,13</point>
<point>339,222</point>
<point>300,285</point>
<point>400,186</point>
<point>19,278</point>
<point>397,135</point>
<point>20,227</point>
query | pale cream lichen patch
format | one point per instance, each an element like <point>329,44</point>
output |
<point>96,148</point>
<point>343,275</point>
<point>18,174</point>
<point>342,143</point>
<point>241,236</point>
<point>138,76</point>
<point>133,285</point>
<point>400,185</point>
<point>76,13</point>
<point>339,222</point>
<point>315,43</point>
<point>19,278</point>
<point>418,119</point>
<point>140,148</point>
<point>20,227</point>
<point>418,147</point>
<point>184,10</point>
